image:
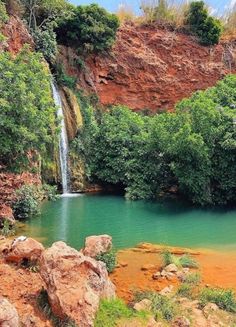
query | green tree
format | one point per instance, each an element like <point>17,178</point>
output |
<point>207,28</point>
<point>90,28</point>
<point>27,111</point>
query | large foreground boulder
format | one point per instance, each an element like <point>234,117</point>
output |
<point>95,245</point>
<point>75,283</point>
<point>8,314</point>
<point>23,248</point>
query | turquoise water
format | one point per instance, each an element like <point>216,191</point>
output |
<point>129,223</point>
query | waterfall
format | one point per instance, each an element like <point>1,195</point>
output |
<point>63,142</point>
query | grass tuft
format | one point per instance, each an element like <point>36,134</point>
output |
<point>224,298</point>
<point>185,260</point>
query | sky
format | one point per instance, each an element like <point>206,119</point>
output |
<point>112,5</point>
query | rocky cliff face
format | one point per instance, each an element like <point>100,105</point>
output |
<point>151,68</point>
<point>16,35</point>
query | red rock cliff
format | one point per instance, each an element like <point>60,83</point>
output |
<point>151,68</point>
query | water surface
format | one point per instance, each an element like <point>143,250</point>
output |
<point>71,219</point>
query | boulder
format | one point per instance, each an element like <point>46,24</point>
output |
<point>75,283</point>
<point>144,305</point>
<point>95,245</point>
<point>8,314</point>
<point>6,213</point>
<point>167,290</point>
<point>156,276</point>
<point>181,322</point>
<point>23,248</point>
<point>171,268</point>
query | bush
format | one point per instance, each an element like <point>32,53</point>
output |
<point>28,199</point>
<point>207,28</point>
<point>162,306</point>
<point>7,229</point>
<point>193,279</point>
<point>109,258</point>
<point>182,261</point>
<point>224,298</point>
<point>27,202</point>
<point>45,42</point>
<point>90,29</point>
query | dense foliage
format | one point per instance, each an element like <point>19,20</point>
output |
<point>206,27</point>
<point>27,111</point>
<point>28,198</point>
<point>90,28</point>
<point>193,148</point>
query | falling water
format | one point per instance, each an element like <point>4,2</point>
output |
<point>63,143</point>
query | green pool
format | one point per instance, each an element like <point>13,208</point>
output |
<point>166,222</point>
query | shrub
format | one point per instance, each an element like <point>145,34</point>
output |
<point>109,258</point>
<point>45,42</point>
<point>27,202</point>
<point>224,298</point>
<point>207,28</point>
<point>182,261</point>
<point>90,29</point>
<point>7,229</point>
<point>28,199</point>
<point>162,306</point>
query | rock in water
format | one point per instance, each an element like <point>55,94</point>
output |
<point>24,248</point>
<point>95,245</point>
<point>75,283</point>
<point>8,314</point>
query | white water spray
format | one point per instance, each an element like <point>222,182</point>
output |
<point>63,143</point>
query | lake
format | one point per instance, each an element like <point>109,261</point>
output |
<point>169,222</point>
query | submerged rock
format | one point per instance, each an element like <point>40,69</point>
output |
<point>23,248</point>
<point>8,314</point>
<point>95,245</point>
<point>75,283</point>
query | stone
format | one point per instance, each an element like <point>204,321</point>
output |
<point>8,314</point>
<point>181,322</point>
<point>144,305</point>
<point>170,276</point>
<point>123,264</point>
<point>210,307</point>
<point>23,248</point>
<point>6,213</point>
<point>148,267</point>
<point>171,268</point>
<point>163,273</point>
<point>156,276</point>
<point>186,270</point>
<point>167,290</point>
<point>95,245</point>
<point>75,283</point>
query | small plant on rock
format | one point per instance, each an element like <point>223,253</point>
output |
<point>109,258</point>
